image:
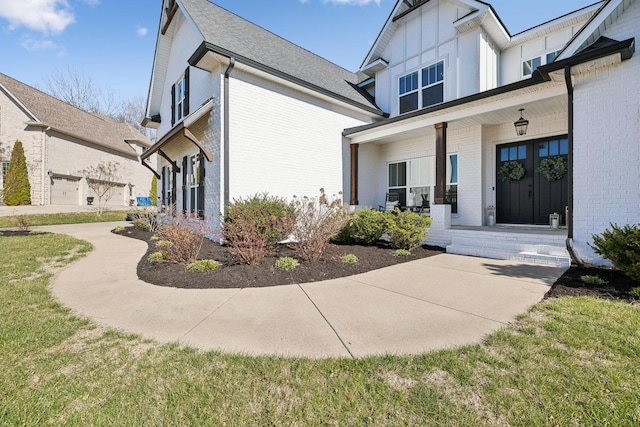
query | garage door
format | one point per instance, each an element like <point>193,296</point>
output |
<point>117,199</point>
<point>65,191</point>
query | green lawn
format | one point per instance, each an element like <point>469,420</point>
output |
<point>568,362</point>
<point>62,218</point>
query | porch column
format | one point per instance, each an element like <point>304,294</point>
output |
<point>354,175</point>
<point>441,164</point>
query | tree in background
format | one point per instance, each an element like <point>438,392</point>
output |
<point>17,190</point>
<point>102,180</point>
<point>83,92</point>
<point>153,194</point>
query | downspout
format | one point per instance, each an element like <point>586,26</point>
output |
<point>43,171</point>
<point>227,73</point>
<point>570,248</point>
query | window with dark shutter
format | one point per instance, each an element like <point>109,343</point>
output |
<point>173,105</point>
<point>185,162</point>
<point>185,102</point>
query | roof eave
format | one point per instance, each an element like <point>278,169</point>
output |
<point>625,49</point>
<point>132,153</point>
<point>536,79</point>
<point>206,47</point>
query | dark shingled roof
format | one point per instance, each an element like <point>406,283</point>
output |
<point>97,129</point>
<point>232,33</point>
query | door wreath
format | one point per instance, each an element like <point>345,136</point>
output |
<point>511,171</point>
<point>553,168</point>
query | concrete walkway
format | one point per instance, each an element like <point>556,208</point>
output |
<point>433,303</point>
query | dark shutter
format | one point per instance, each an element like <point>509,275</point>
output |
<point>173,105</point>
<point>164,185</point>
<point>185,107</point>
<point>174,186</point>
<point>201,162</point>
<point>185,161</point>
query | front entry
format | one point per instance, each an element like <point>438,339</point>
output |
<point>531,180</point>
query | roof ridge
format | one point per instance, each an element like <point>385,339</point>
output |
<point>278,36</point>
<point>33,88</point>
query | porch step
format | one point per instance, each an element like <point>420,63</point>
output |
<point>541,248</point>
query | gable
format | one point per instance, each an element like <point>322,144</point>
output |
<point>468,14</point>
<point>606,18</point>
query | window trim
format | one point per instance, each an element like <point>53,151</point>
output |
<point>422,86</point>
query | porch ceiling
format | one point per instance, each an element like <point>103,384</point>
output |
<point>537,102</point>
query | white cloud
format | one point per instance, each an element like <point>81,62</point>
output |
<point>93,3</point>
<point>142,31</point>
<point>46,16</point>
<point>35,45</point>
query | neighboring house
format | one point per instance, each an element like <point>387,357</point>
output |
<point>430,114</point>
<point>60,141</point>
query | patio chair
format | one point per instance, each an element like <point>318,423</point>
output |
<point>392,201</point>
<point>425,206</point>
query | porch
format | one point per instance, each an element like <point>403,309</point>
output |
<point>531,244</point>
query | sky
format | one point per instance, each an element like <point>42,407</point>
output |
<point>113,41</point>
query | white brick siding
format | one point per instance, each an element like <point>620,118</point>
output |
<point>284,142</point>
<point>607,143</point>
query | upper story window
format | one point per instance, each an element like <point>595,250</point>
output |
<point>5,169</point>
<point>180,98</point>
<point>530,65</point>
<point>422,89</point>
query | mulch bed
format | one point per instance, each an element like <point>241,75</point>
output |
<point>235,274</point>
<point>617,286</point>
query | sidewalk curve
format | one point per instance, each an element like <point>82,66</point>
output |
<point>428,304</point>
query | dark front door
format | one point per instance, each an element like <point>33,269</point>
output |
<point>531,180</point>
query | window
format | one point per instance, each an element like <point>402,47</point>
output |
<point>452,182</point>
<point>551,56</point>
<point>553,148</point>
<point>433,85</point>
<point>180,98</point>
<point>529,66</point>
<point>409,92</point>
<point>193,180</point>
<point>180,92</point>
<point>411,179</point>
<point>430,81</point>
<point>5,169</point>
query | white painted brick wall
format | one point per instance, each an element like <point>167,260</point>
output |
<point>284,142</point>
<point>607,143</point>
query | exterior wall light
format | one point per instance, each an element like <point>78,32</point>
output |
<point>521,124</point>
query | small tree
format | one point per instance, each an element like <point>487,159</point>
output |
<point>17,190</point>
<point>102,180</point>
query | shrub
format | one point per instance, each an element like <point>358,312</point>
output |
<point>350,259</point>
<point>406,230</point>
<point>202,266</point>
<point>156,257</point>
<point>253,227</point>
<point>23,223</point>
<point>622,247</point>
<point>317,220</point>
<point>146,220</point>
<point>593,280</point>
<point>153,193</point>
<point>185,236</point>
<point>17,190</point>
<point>286,263</point>
<point>635,293</point>
<point>365,227</point>
<point>401,252</point>
<point>119,229</point>
<point>163,245</point>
